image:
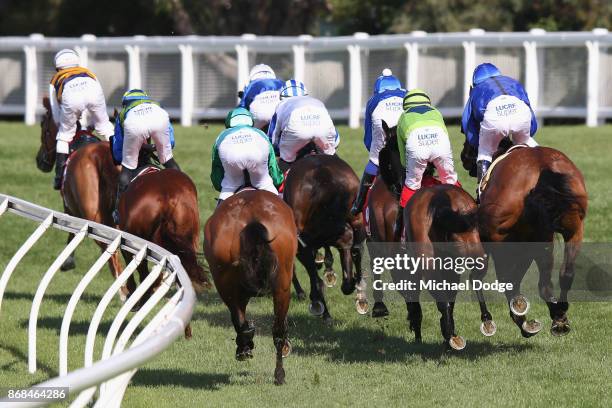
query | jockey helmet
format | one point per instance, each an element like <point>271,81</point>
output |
<point>134,95</point>
<point>415,97</point>
<point>293,87</point>
<point>387,81</point>
<point>66,58</point>
<point>238,117</point>
<point>484,72</point>
<point>261,71</point>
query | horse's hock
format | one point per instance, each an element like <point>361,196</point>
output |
<point>124,351</point>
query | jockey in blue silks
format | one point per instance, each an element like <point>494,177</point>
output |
<point>385,104</point>
<point>261,95</point>
<point>498,107</point>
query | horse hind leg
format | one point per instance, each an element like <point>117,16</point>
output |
<point>361,299</point>
<point>318,306</point>
<point>329,276</point>
<point>447,322</point>
<point>245,330</point>
<point>299,292</point>
<point>279,331</point>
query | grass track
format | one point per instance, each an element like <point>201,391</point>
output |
<point>356,362</point>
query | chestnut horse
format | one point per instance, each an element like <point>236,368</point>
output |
<point>439,220</point>
<point>250,244</point>
<point>321,189</point>
<point>162,207</point>
<point>532,194</point>
<point>90,183</point>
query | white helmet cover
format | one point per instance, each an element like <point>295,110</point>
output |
<point>66,58</point>
<point>261,71</point>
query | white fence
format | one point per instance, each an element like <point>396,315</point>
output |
<point>567,74</point>
<point>120,358</point>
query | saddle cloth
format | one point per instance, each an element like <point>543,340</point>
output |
<point>485,179</point>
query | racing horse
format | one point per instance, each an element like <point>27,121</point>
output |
<point>532,194</point>
<point>250,244</point>
<point>321,189</point>
<point>162,207</point>
<point>440,222</point>
<point>90,182</point>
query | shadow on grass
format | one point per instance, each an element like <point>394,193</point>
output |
<point>22,357</point>
<point>61,298</point>
<point>359,343</point>
<point>149,377</point>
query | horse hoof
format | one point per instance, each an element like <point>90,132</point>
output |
<point>316,308</point>
<point>488,328</point>
<point>519,305</point>
<point>320,258</point>
<point>68,264</point>
<point>560,328</point>
<point>380,310</point>
<point>330,278</point>
<point>287,348</point>
<point>279,376</point>
<point>456,343</point>
<point>244,355</point>
<point>531,328</point>
<point>301,296</point>
<point>362,306</point>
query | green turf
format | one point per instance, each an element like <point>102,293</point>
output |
<point>357,361</point>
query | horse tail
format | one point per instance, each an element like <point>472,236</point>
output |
<point>186,252</point>
<point>446,219</point>
<point>257,259</point>
<point>550,199</point>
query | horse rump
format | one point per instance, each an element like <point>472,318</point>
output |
<point>257,260</point>
<point>447,219</point>
<point>550,199</point>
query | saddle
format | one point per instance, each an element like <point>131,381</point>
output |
<point>148,169</point>
<point>485,179</point>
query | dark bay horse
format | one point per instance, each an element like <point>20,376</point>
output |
<point>90,183</point>
<point>250,244</point>
<point>532,194</point>
<point>439,220</point>
<point>321,189</point>
<point>162,207</point>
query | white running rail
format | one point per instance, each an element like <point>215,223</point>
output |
<point>109,376</point>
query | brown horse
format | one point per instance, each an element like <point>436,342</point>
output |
<point>162,207</point>
<point>532,194</point>
<point>321,189</point>
<point>250,244</point>
<point>440,221</point>
<point>90,183</point>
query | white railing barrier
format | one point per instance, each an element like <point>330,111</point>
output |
<point>120,359</point>
<point>203,92</point>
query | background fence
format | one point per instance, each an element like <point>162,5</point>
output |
<point>566,74</point>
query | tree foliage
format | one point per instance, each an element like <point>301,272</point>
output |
<point>293,17</point>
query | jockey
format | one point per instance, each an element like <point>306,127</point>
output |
<point>140,120</point>
<point>242,150</point>
<point>384,105</point>
<point>261,95</point>
<point>299,120</point>
<point>498,107</point>
<point>422,138</point>
<point>74,90</point>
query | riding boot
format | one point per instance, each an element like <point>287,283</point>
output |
<point>482,166</point>
<point>124,181</point>
<point>283,165</point>
<point>60,163</point>
<point>172,164</point>
<point>364,187</point>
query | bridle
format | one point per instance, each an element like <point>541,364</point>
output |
<point>45,152</point>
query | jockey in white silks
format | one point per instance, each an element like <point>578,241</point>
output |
<point>300,120</point>
<point>74,90</point>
